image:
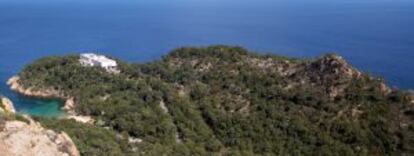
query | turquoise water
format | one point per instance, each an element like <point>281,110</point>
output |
<point>375,36</point>
<point>48,108</point>
<point>35,106</point>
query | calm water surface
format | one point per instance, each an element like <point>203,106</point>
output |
<point>376,37</point>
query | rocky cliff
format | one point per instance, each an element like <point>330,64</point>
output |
<point>21,136</point>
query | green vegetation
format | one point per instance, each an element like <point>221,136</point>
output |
<point>1,104</point>
<point>90,140</point>
<point>226,101</point>
<point>11,117</point>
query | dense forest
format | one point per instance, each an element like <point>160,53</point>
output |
<point>223,100</point>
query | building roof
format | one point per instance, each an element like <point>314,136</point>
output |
<point>100,58</point>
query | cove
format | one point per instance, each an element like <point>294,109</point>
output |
<point>40,107</point>
<point>49,108</point>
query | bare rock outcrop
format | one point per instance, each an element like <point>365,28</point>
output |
<point>18,138</point>
<point>330,72</point>
<point>81,119</point>
<point>69,105</point>
<point>330,69</point>
<point>7,104</point>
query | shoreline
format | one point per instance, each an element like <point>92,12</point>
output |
<point>68,101</point>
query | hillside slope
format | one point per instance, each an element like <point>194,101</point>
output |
<point>223,100</point>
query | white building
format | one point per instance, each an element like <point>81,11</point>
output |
<point>91,60</point>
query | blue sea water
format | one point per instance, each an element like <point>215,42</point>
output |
<point>375,36</point>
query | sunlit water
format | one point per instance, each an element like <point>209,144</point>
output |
<point>375,36</point>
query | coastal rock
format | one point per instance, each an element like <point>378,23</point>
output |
<point>20,138</point>
<point>8,105</point>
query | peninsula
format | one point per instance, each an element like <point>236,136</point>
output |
<point>223,100</point>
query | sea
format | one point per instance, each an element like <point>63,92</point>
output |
<point>375,36</point>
